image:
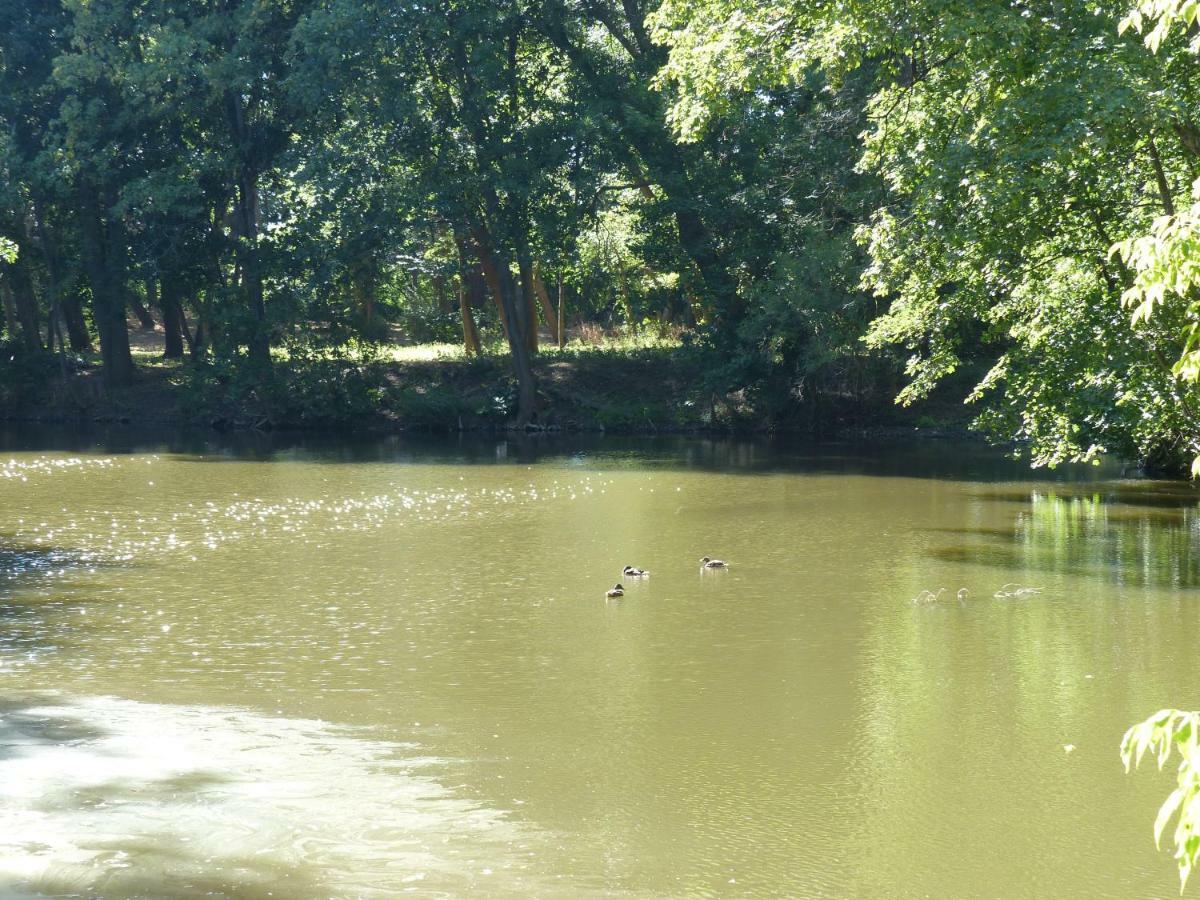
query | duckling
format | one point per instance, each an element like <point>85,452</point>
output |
<point>708,562</point>
<point>634,572</point>
<point>615,591</point>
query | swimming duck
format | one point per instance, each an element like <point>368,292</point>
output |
<point>634,572</point>
<point>615,591</point>
<point>709,563</point>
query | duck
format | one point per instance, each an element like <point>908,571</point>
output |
<point>634,572</point>
<point>708,562</point>
<point>615,591</point>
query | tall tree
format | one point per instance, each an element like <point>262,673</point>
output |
<point>1006,138</point>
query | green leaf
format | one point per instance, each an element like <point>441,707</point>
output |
<point>1170,805</point>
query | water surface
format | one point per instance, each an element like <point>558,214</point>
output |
<point>328,669</point>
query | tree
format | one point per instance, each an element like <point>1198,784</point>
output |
<point>466,104</point>
<point>615,58</point>
<point>1166,260</point>
<point>1005,138</point>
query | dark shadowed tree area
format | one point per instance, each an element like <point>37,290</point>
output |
<point>763,214</point>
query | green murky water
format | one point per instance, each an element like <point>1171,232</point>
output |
<point>359,670</point>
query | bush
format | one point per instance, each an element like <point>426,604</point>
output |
<point>25,374</point>
<point>315,387</point>
<point>431,326</point>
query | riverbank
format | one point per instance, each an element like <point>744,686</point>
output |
<point>624,388</point>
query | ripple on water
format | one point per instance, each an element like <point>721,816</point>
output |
<point>206,526</point>
<point>22,469</point>
<point>109,796</point>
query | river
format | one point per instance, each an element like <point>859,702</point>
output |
<point>273,667</point>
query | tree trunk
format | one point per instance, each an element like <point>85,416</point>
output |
<point>499,279</point>
<point>207,334</point>
<point>66,295</point>
<point>172,315</point>
<point>77,330</point>
<point>102,263</point>
<point>1160,178</point>
<point>562,314</point>
<point>10,311</point>
<point>472,294</point>
<point>445,304</point>
<point>640,119</point>
<point>528,306</point>
<point>145,320</point>
<point>470,332</point>
<point>186,330</point>
<point>477,289</point>
<point>258,341</point>
<point>548,310</point>
<point>494,289</point>
<point>492,280</point>
<point>63,293</point>
<point>363,287</point>
<point>245,218</point>
<point>697,242</point>
<point>201,339</point>
<point>17,276</point>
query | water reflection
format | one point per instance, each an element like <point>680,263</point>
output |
<point>1133,533</point>
<point>893,457</point>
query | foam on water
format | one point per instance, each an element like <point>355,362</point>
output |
<point>108,796</point>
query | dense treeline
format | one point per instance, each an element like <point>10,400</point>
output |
<point>800,190</point>
<point>1020,144</point>
<point>262,175</point>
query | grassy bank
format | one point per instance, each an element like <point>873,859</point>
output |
<point>624,384</point>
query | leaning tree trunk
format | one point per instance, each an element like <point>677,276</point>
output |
<point>77,330</point>
<point>472,293</point>
<point>548,311</point>
<point>145,320</point>
<point>501,283</point>
<point>470,331</point>
<point>648,145</point>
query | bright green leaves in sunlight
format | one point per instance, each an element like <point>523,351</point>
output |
<point>1016,145</point>
<point>1163,732</point>
<point>1162,16</point>
<point>720,48</point>
<point>1166,264</point>
<point>1165,259</point>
